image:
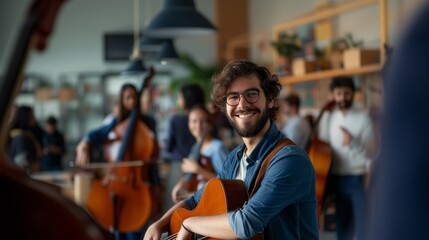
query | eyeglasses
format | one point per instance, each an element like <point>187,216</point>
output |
<point>251,96</point>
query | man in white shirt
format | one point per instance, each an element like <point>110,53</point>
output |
<point>350,134</point>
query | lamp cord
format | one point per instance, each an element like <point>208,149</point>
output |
<point>136,50</point>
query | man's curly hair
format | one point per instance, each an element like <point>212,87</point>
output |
<point>241,68</point>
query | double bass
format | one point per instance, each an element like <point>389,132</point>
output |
<point>32,209</point>
<point>124,203</point>
<point>319,152</point>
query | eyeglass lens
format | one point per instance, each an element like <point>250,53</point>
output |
<point>251,96</point>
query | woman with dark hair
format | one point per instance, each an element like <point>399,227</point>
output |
<point>24,149</point>
<point>128,101</point>
<point>211,150</point>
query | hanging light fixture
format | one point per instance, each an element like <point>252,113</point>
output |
<point>136,66</point>
<point>168,52</point>
<point>179,18</point>
<point>150,44</point>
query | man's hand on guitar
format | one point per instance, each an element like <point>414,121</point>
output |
<point>154,232</point>
<point>184,233</point>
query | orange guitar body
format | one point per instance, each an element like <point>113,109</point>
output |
<point>220,196</point>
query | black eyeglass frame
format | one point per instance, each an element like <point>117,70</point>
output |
<point>244,94</point>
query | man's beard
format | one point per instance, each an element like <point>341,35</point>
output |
<point>251,131</point>
<point>346,104</point>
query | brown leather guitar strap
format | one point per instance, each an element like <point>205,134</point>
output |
<point>263,169</point>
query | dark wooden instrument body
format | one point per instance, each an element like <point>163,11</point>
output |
<point>124,204</point>
<point>31,209</point>
<point>319,152</point>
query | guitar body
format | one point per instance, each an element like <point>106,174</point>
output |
<point>220,196</point>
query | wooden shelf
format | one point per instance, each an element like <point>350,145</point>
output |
<point>330,74</point>
<point>325,13</point>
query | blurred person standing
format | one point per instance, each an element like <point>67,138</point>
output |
<point>296,128</point>
<point>23,148</point>
<point>53,146</point>
<point>179,139</point>
<point>350,134</point>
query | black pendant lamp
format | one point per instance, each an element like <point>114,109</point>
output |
<point>150,44</point>
<point>179,18</point>
<point>168,52</point>
<point>136,65</point>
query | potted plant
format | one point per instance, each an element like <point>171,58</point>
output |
<point>339,46</point>
<point>286,46</point>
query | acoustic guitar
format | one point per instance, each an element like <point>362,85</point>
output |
<point>220,196</point>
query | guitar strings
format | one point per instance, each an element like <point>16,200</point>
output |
<point>174,236</point>
<point>171,237</point>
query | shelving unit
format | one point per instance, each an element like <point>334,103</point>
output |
<point>327,74</point>
<point>237,47</point>
<point>327,13</point>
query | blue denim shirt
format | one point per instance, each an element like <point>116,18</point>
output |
<point>284,207</point>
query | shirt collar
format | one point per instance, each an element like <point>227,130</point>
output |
<point>271,137</point>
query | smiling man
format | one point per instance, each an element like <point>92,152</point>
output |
<point>284,206</point>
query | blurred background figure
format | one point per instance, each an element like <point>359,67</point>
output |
<point>179,139</point>
<point>111,135</point>
<point>351,137</point>
<point>23,148</point>
<point>296,127</point>
<point>210,151</point>
<point>222,129</point>
<point>53,146</point>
